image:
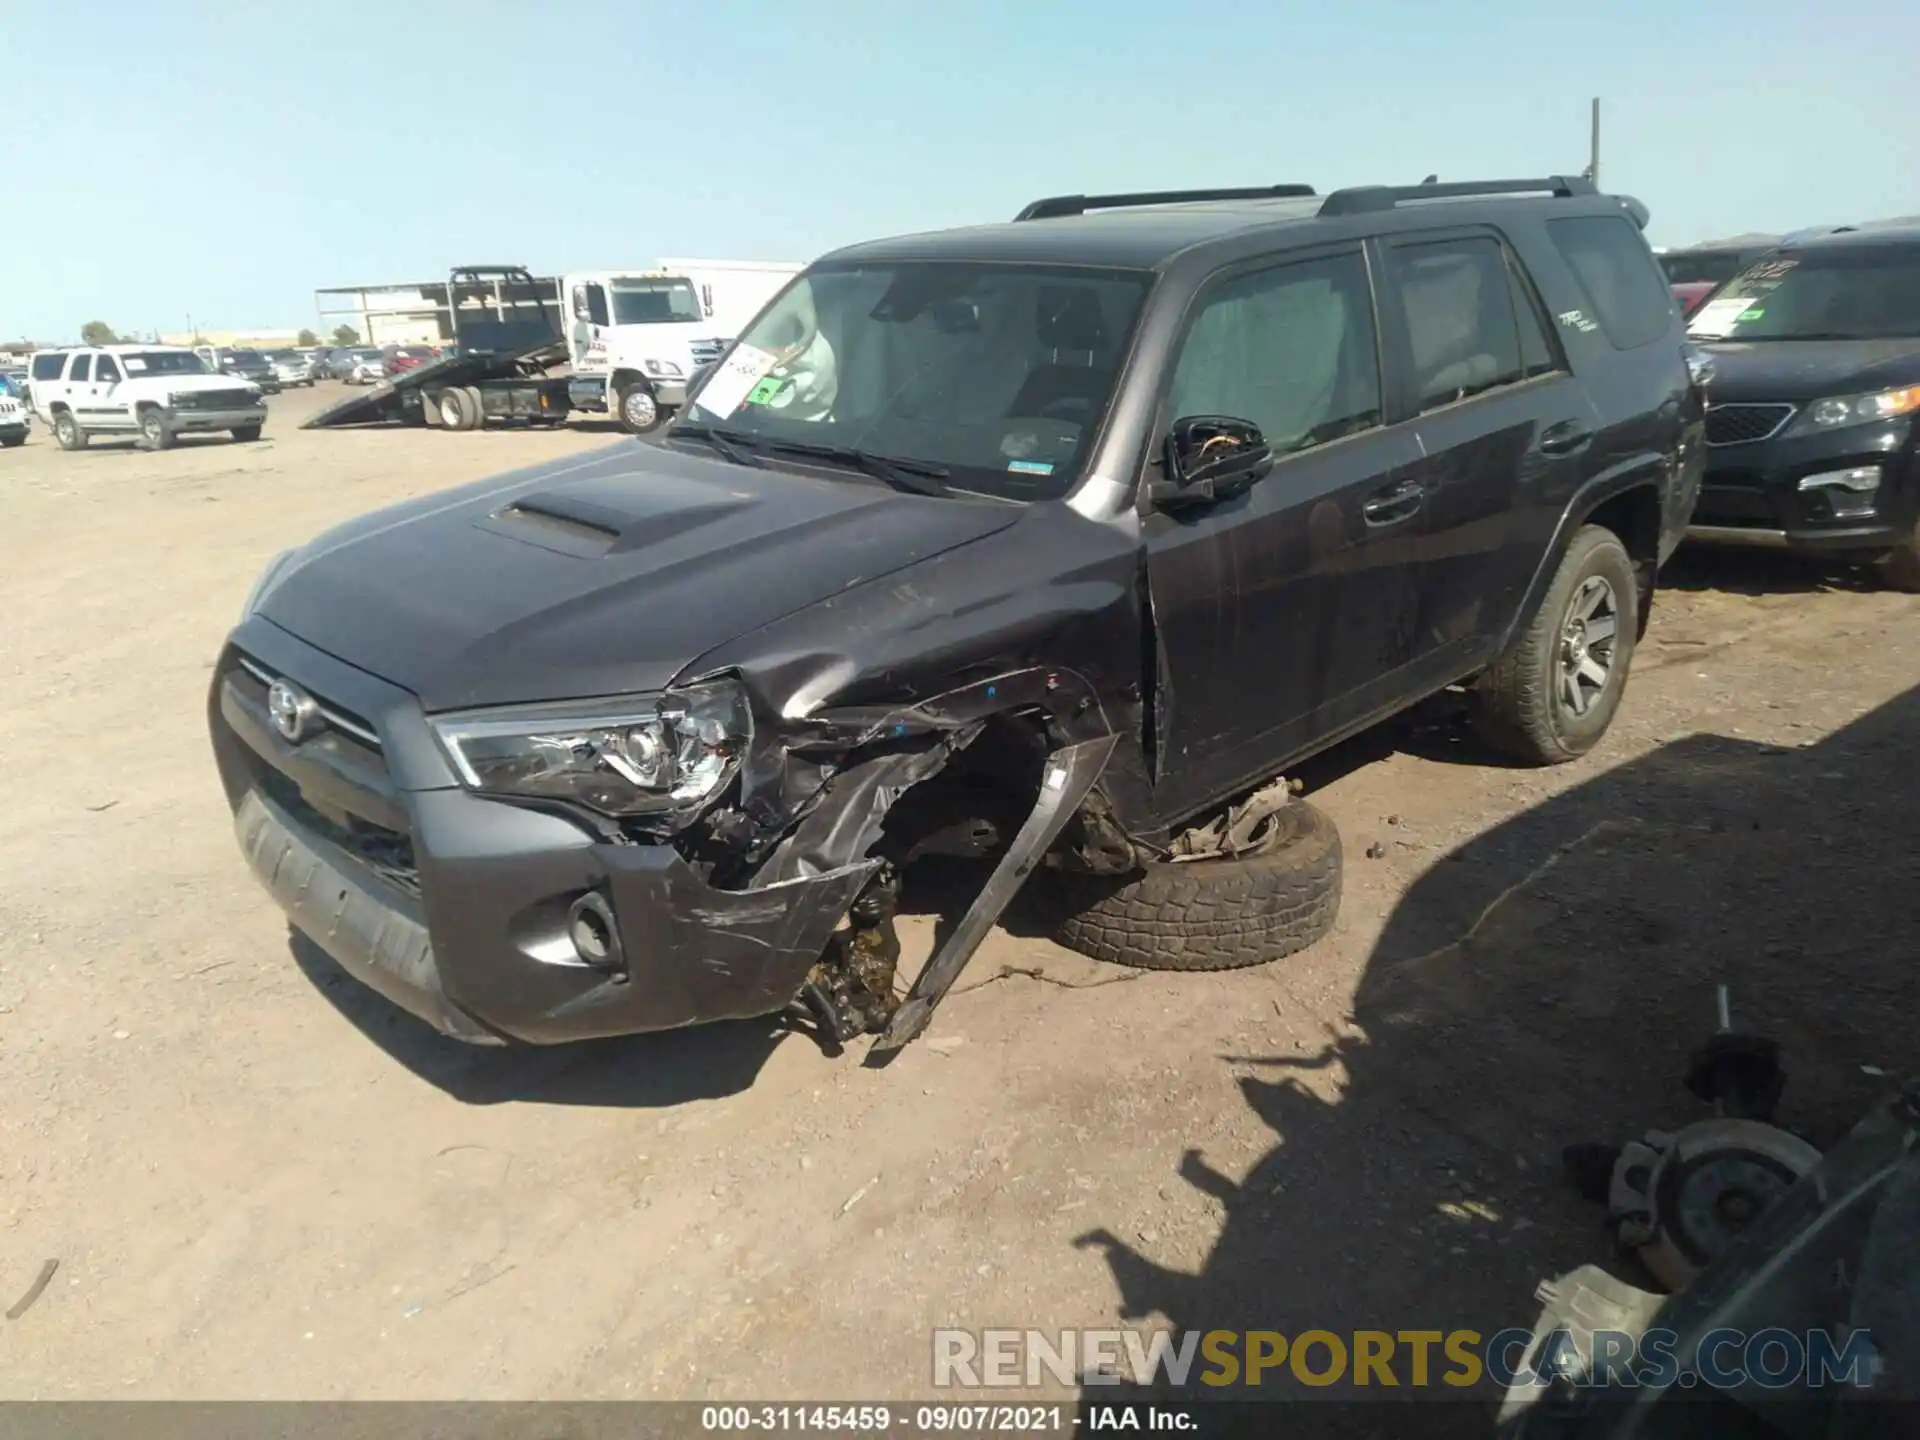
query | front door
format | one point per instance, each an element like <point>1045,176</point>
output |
<point>1504,429</point>
<point>106,412</point>
<point>1283,615</point>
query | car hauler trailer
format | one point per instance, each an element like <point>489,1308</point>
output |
<point>507,338</point>
<point>635,337</point>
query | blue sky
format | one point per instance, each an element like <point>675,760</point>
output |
<point>224,160</point>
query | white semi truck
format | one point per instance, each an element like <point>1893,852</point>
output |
<point>635,337</point>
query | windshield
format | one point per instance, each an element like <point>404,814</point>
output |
<point>1845,293</point>
<point>999,374</point>
<point>163,362</point>
<point>1695,267</point>
<point>651,302</point>
<point>246,357</point>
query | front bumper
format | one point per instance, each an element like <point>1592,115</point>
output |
<point>454,906</point>
<point>187,421</point>
<point>13,429</point>
<point>1751,493</point>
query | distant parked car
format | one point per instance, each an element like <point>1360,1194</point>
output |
<point>366,368</point>
<point>1714,261</point>
<point>15,417</point>
<point>290,367</point>
<point>1811,440</point>
<point>398,359</point>
<point>249,365</point>
<point>1691,293</point>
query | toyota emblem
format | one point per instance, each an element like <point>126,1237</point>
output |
<point>292,710</point>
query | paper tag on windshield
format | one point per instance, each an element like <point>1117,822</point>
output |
<point>727,387</point>
<point>134,364</point>
<point>1718,317</point>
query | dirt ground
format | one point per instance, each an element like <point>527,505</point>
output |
<point>261,1181</point>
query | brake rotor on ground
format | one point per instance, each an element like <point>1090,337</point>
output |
<point>1681,1199</point>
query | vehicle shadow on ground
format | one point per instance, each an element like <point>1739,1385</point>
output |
<point>1545,985</point>
<point>640,1072</point>
<point>1759,572</point>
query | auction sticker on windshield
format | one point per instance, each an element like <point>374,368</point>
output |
<point>1718,317</point>
<point>730,384</point>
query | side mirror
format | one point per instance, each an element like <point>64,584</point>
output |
<point>1207,459</point>
<point>955,317</point>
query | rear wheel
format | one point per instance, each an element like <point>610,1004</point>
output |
<point>1552,696</point>
<point>458,408</point>
<point>640,412</point>
<point>154,430</point>
<point>246,433</point>
<point>69,431</point>
<point>478,404</point>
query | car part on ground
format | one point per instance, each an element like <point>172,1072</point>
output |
<point>647,737</point>
<point>1764,1240</point>
<point>1263,900</point>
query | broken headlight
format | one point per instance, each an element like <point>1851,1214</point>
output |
<point>622,758</point>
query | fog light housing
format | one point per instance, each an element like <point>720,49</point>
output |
<point>1851,493</point>
<point>596,936</point>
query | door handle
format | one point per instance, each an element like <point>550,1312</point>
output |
<point>1564,438</point>
<point>1395,503</point>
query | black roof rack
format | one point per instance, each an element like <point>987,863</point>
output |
<point>1363,199</point>
<point>1055,206</point>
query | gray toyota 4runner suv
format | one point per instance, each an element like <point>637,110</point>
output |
<point>1055,542</point>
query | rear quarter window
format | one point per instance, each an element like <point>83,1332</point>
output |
<point>1616,272</point>
<point>47,367</point>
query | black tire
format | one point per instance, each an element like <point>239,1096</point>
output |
<point>478,404</point>
<point>154,433</point>
<point>1521,705</point>
<point>639,409</point>
<point>457,410</point>
<point>71,434</point>
<point>246,434</point>
<point>1211,914</point>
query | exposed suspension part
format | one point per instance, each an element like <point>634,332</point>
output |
<point>849,991</point>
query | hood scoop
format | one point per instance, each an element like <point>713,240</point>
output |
<point>575,520</point>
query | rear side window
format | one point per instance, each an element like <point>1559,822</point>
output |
<point>1291,349</point>
<point>1462,326</point>
<point>82,368</point>
<point>47,367</point>
<point>1623,285</point>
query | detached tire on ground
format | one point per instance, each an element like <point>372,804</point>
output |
<point>1552,696</point>
<point>1211,914</point>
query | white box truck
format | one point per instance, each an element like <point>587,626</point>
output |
<point>635,337</point>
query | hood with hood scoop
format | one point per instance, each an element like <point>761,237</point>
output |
<point>598,575</point>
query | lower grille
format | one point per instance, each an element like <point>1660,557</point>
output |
<point>1740,424</point>
<point>385,852</point>
<point>705,352</point>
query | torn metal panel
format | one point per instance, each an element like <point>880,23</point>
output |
<point>1069,776</point>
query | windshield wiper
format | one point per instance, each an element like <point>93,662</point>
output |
<point>916,477</point>
<point>727,443</point>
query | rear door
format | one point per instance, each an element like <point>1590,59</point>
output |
<point>1503,426</point>
<point>1283,615</point>
<point>46,382</point>
<point>80,396</point>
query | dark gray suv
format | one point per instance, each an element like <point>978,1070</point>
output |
<point>1056,542</point>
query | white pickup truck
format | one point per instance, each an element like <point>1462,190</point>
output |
<point>154,392</point>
